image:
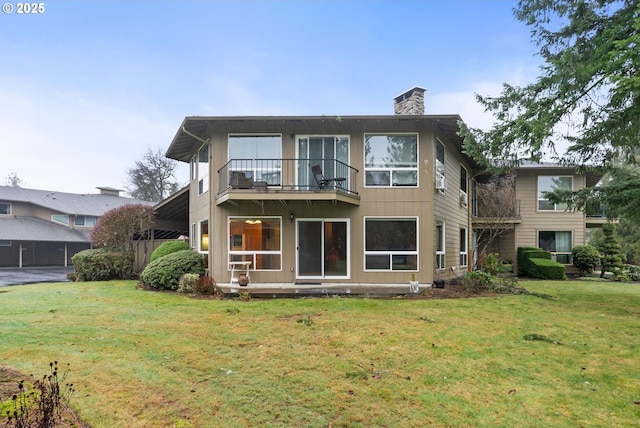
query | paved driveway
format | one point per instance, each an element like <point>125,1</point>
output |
<point>31,275</point>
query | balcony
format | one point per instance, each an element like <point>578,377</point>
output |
<point>489,216</point>
<point>596,215</point>
<point>286,180</point>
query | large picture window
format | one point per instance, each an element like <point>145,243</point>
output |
<point>391,160</point>
<point>548,183</point>
<point>258,157</point>
<point>391,244</point>
<point>257,240</point>
<point>558,243</point>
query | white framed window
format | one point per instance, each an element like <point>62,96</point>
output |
<point>5,208</point>
<point>391,160</point>
<point>558,243</point>
<point>203,241</point>
<point>440,170</point>
<point>549,183</point>
<point>60,218</point>
<point>257,240</point>
<point>192,236</point>
<point>464,184</point>
<point>391,243</point>
<point>203,169</point>
<point>256,157</point>
<point>5,243</point>
<point>330,152</point>
<point>464,244</point>
<point>85,221</point>
<point>194,167</point>
<point>440,245</point>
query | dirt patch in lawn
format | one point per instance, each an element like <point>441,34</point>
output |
<point>9,379</point>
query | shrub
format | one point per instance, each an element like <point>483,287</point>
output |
<point>102,264</point>
<point>585,258</point>
<point>546,269</point>
<point>525,254</point>
<point>187,283</point>
<point>523,260</point>
<point>491,264</point>
<point>632,272</point>
<point>169,247</point>
<point>164,273</point>
<point>207,286</point>
<point>477,281</point>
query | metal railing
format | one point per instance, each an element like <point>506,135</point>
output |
<point>287,174</point>
<point>509,210</point>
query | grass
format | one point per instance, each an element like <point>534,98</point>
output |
<point>148,359</point>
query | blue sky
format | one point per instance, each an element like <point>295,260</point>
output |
<point>88,86</point>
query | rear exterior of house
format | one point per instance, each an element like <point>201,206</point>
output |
<point>391,199</point>
<point>536,222</point>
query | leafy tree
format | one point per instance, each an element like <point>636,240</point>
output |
<point>496,200</point>
<point>152,178</point>
<point>123,229</point>
<point>611,251</point>
<point>13,180</point>
<point>587,95</point>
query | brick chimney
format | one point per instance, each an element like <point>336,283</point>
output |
<point>410,102</point>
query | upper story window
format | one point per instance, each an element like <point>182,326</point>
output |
<point>85,220</point>
<point>5,208</point>
<point>391,160</point>
<point>464,181</point>
<point>61,218</point>
<point>549,183</point>
<point>331,153</point>
<point>194,167</point>
<point>256,157</point>
<point>441,183</point>
<point>203,169</point>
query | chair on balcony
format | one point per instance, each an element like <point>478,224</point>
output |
<point>240,180</point>
<point>323,182</point>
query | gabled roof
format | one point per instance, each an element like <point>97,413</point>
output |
<point>35,229</point>
<point>67,203</point>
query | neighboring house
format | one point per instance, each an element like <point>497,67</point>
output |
<point>45,228</point>
<point>329,199</point>
<point>536,222</point>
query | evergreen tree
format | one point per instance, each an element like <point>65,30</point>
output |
<point>611,250</point>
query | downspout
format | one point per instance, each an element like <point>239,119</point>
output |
<point>194,136</point>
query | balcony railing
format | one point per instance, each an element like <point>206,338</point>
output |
<point>509,210</point>
<point>287,174</point>
<point>595,211</point>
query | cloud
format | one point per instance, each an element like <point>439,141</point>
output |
<point>62,140</point>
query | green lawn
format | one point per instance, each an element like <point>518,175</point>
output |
<point>149,359</point>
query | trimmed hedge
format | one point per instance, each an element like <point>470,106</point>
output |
<point>168,247</point>
<point>523,260</point>
<point>525,254</point>
<point>101,264</point>
<point>546,269</point>
<point>164,273</point>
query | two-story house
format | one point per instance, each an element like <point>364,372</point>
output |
<point>531,220</point>
<point>329,199</point>
<point>46,228</point>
